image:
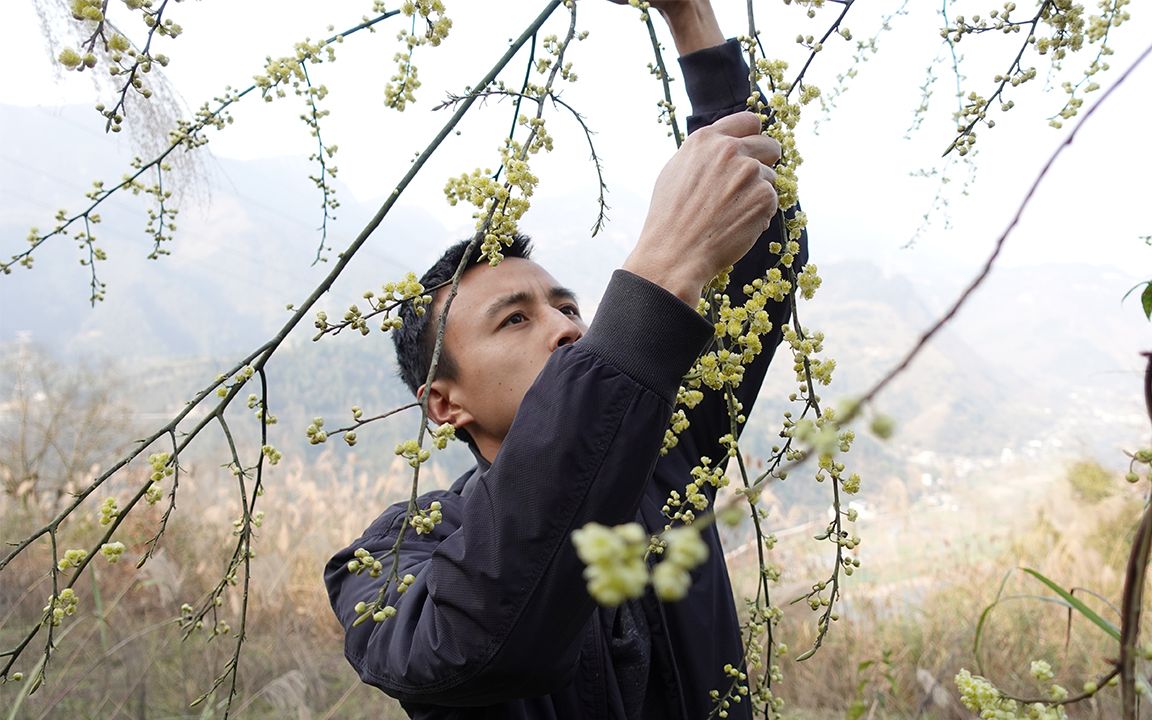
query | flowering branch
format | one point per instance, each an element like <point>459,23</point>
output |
<point>982,275</point>
<point>188,135</point>
<point>378,610</point>
<point>328,203</point>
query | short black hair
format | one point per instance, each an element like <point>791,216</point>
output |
<point>416,338</point>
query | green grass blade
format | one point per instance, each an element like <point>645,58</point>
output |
<point>1077,605</point>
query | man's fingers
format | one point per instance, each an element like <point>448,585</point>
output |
<point>744,127</point>
<point>768,174</point>
<point>762,148</point>
<point>738,125</point>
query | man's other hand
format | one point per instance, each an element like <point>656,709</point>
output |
<point>710,203</point>
<point>692,23</point>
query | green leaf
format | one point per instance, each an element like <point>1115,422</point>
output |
<point>1077,605</point>
<point>856,710</point>
<point>1145,297</point>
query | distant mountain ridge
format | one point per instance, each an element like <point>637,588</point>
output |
<point>1042,354</point>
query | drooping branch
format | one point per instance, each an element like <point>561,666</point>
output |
<point>375,609</point>
<point>986,269</point>
<point>660,70</point>
<point>258,358</point>
<point>188,135</point>
<point>328,202</point>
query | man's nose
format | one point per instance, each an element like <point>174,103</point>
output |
<point>566,330</point>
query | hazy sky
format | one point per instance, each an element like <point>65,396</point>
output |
<point>855,181</point>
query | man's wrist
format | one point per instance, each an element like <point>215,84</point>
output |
<point>693,25</point>
<point>646,332</point>
<point>672,274</point>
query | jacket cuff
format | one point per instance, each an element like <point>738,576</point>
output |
<point>715,78</point>
<point>647,332</point>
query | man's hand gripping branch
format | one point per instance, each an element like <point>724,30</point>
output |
<point>711,202</point>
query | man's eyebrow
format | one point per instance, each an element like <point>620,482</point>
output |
<point>502,303</point>
<point>561,293</point>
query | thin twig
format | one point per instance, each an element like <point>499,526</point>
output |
<point>662,71</point>
<point>187,135</point>
<point>991,260</point>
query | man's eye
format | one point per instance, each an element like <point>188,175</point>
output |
<point>570,310</point>
<point>515,319</point>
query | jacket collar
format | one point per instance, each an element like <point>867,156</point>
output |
<point>467,482</point>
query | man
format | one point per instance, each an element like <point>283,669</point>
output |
<point>566,421</point>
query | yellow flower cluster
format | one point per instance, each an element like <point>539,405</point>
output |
<point>781,124</point>
<point>392,295</point>
<point>72,60</point>
<point>738,692</point>
<point>442,433</point>
<point>374,611</point>
<point>808,281</point>
<point>683,551</point>
<point>289,69</point>
<point>675,506</point>
<point>402,86</point>
<point>500,205</point>
<point>72,559</point>
<point>811,5</point>
<point>162,467</point>
<point>254,402</point>
<point>354,319</point>
<point>702,474</point>
<point>404,583</point>
<point>804,351</point>
<point>112,551</point>
<point>274,456</point>
<point>678,424</point>
<point>413,453</point>
<point>315,433</point>
<point>61,606</point>
<point>189,132</point>
<point>108,511</point>
<point>88,10</point>
<point>614,561</point>
<point>239,525</point>
<point>738,331</point>
<point>743,327</point>
<point>244,375</point>
<point>424,521</point>
<point>364,561</point>
<point>982,697</point>
<point>1140,457</point>
<point>1067,28</point>
<point>126,61</point>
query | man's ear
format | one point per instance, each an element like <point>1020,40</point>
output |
<point>441,406</point>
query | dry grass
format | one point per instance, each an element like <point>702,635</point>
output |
<point>909,621</point>
<point>907,626</point>
<point>122,655</point>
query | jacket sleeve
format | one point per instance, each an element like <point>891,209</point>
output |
<point>716,80</point>
<point>499,604</point>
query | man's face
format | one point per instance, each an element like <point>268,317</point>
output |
<point>502,327</point>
